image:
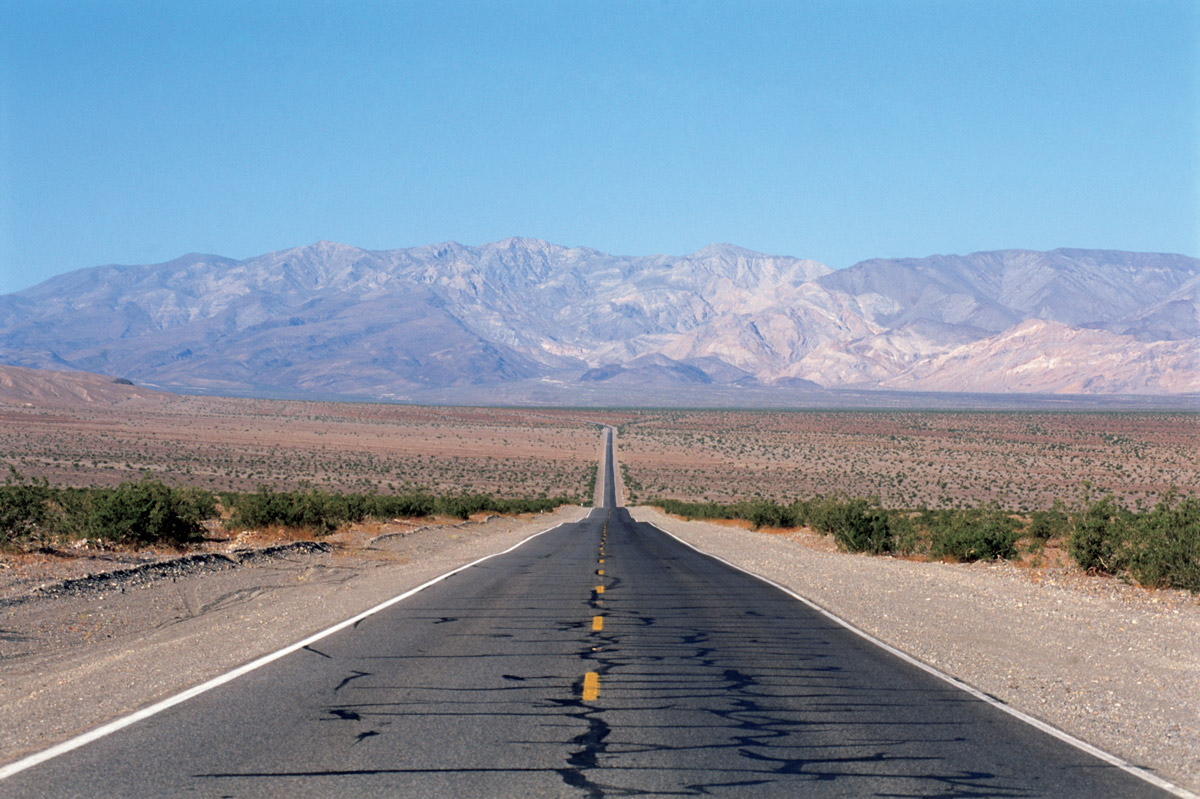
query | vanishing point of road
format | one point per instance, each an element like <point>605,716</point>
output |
<point>598,659</point>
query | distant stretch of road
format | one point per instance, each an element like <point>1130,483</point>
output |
<point>598,659</point>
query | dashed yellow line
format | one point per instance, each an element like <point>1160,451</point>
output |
<point>597,623</point>
<point>591,686</point>
<point>600,572</point>
<point>599,589</point>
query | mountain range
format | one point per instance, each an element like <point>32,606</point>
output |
<point>518,317</point>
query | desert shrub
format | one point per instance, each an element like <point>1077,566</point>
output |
<point>461,506</point>
<point>765,513</point>
<point>535,505</point>
<point>263,508</point>
<point>859,527</point>
<point>826,514</point>
<point>905,536</point>
<point>324,512</point>
<point>1099,535</point>
<point>698,510</point>
<point>140,513</point>
<point>1164,545</point>
<point>632,486</point>
<point>589,489</point>
<point>24,509</point>
<point>404,506</point>
<point>759,512</point>
<point>1047,524</point>
<point>982,533</point>
<point>318,510</point>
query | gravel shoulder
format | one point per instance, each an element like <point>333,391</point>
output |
<point>1112,664</point>
<point>75,657</point>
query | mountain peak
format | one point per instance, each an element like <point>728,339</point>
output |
<point>525,244</point>
<point>718,249</point>
<point>326,247</point>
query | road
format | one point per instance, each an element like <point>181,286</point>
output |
<point>599,659</point>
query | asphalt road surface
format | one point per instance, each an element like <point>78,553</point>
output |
<point>599,659</point>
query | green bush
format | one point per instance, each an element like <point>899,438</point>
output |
<point>1047,524</point>
<point>906,539</point>
<point>320,511</point>
<point>983,533</point>
<point>765,513</point>
<point>141,513</point>
<point>1100,532</point>
<point>698,510</point>
<point>403,506</point>
<point>589,489</point>
<point>24,509</point>
<point>1159,548</point>
<point>857,526</point>
<point>1164,547</point>
<point>324,512</point>
<point>461,506</point>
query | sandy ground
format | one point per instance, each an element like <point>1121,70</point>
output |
<point>1112,664</point>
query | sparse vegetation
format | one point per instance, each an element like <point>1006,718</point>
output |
<point>955,485</point>
<point>134,513</point>
<point>981,533</point>
<point>147,511</point>
<point>326,464</point>
<point>139,513</point>
<point>223,444</point>
<point>324,511</point>
<point>24,509</point>
<point>1159,548</point>
<point>1024,461</point>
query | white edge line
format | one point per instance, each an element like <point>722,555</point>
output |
<point>1066,737</point>
<point>146,712</point>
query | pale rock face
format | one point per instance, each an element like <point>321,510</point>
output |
<point>1050,357</point>
<point>340,319</point>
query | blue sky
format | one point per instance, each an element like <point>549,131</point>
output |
<point>134,132</point>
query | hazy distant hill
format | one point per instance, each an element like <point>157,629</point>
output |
<point>44,387</point>
<point>333,319</point>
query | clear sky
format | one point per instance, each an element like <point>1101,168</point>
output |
<point>134,132</point>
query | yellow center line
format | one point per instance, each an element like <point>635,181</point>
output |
<point>591,686</point>
<point>600,572</point>
<point>599,589</point>
<point>597,623</point>
<point>601,560</point>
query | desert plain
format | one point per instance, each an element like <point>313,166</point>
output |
<point>1022,460</point>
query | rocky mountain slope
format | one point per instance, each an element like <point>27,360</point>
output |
<point>334,319</point>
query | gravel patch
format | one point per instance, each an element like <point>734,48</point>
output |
<point>118,579</point>
<point>1112,664</point>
